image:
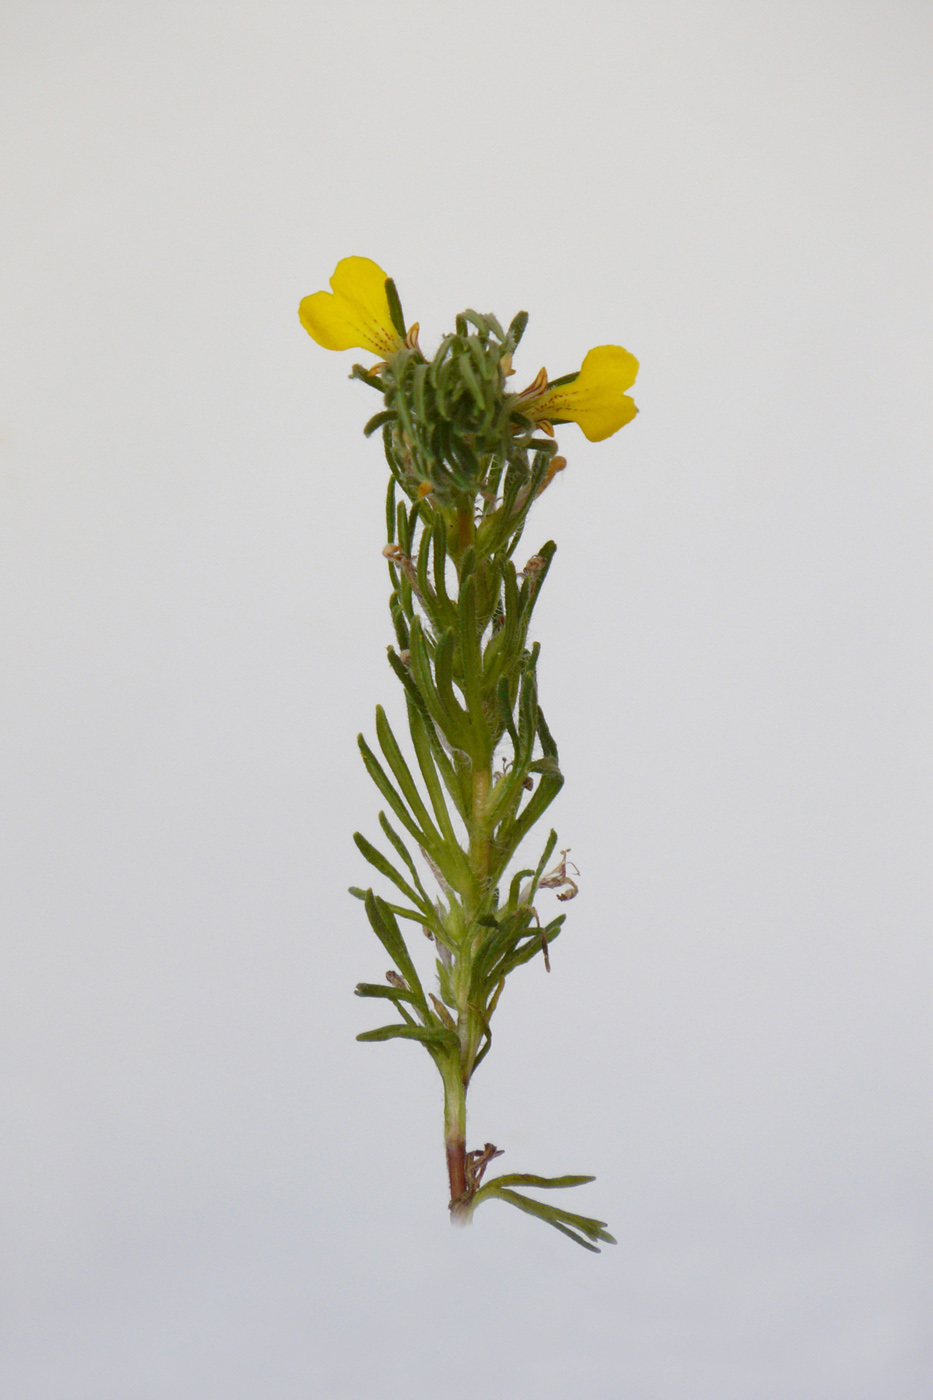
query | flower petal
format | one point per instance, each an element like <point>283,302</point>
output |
<point>355,314</point>
<point>596,398</point>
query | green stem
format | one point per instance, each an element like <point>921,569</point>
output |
<point>456,1074</point>
<point>479,828</point>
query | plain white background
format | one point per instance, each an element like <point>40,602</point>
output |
<point>210,1190</point>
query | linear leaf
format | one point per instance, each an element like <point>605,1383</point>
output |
<point>379,777</point>
<point>379,861</point>
<point>438,1036</point>
<point>402,773</point>
<point>548,747</point>
<point>473,668</point>
<point>575,1226</point>
<point>509,840</point>
<point>505,709</point>
<point>539,870</point>
<point>546,552</point>
<point>534,945</point>
<point>525,1179</point>
<point>439,558</point>
<point>457,722</point>
<point>376,989</point>
<point>448,724</point>
<point>456,779</point>
<point>430,761</point>
<point>399,845</point>
<point>387,931</point>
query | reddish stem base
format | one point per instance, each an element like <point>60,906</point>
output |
<point>456,1167</point>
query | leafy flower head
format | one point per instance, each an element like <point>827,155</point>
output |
<point>358,312</point>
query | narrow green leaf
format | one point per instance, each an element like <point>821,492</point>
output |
<point>437,1036</point>
<point>402,530</point>
<point>546,552</point>
<point>545,857</point>
<point>542,1212</point>
<point>376,989</point>
<point>424,734</point>
<point>415,916</point>
<point>505,709</point>
<point>405,676</point>
<point>390,511</point>
<point>379,777</point>
<point>473,669</point>
<point>488,373</point>
<point>459,722</point>
<point>378,419</point>
<point>414,515</point>
<point>428,763</point>
<point>424,583</point>
<point>418,377</point>
<point>439,559</point>
<point>373,380</point>
<point>395,307</point>
<point>402,773</point>
<point>528,706</point>
<point>446,711</point>
<point>385,867</point>
<point>471,380</point>
<point>399,845</point>
<point>512,638</point>
<point>399,620</point>
<point>517,328</point>
<point>387,931</point>
<point>515,887</point>
<point>580,1228</point>
<point>534,944</point>
<point>525,1179</point>
<point>422,677</point>
<point>394,465</point>
<point>548,747</point>
<point>507,793</point>
<point>495,949</point>
<point>509,839</point>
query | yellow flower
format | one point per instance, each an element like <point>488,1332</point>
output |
<point>356,313</point>
<point>595,398</point>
